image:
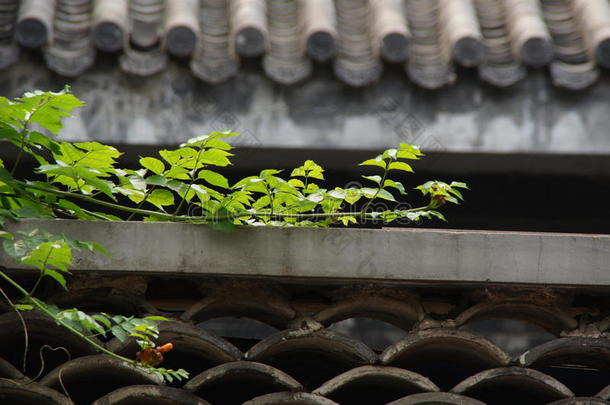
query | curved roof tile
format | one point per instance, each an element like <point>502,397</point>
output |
<point>426,351</point>
<point>398,313</point>
<point>514,385</point>
<point>88,378</point>
<point>290,398</point>
<point>311,356</point>
<point>499,37</point>
<point>436,398</point>
<point>253,379</point>
<point>581,363</point>
<point>12,392</point>
<point>374,385</point>
<point>43,335</point>
<point>149,394</point>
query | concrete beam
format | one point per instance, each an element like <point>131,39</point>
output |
<point>389,255</point>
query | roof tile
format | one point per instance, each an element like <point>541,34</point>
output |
<point>499,37</point>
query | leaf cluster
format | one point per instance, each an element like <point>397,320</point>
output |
<point>179,182</point>
<point>180,185</point>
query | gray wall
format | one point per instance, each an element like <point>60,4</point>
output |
<point>323,113</point>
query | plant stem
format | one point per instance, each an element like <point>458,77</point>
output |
<point>42,308</point>
<point>25,328</point>
<point>99,202</point>
<point>385,173</point>
<point>191,183</point>
<point>23,133</point>
<point>180,218</point>
<point>141,202</point>
<point>42,272</point>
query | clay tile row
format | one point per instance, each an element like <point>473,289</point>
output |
<point>313,359</point>
<point>102,380</point>
<point>499,38</point>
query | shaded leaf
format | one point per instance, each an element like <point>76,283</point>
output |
<point>161,198</point>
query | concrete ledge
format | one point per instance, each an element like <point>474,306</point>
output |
<point>406,255</point>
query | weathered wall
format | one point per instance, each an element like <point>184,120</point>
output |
<point>323,113</point>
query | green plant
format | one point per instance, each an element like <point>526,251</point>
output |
<point>73,177</point>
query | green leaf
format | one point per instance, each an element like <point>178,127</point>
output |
<point>48,108</point>
<point>252,183</point>
<point>386,195</point>
<point>156,318</point>
<point>161,198</point>
<point>352,195</point>
<point>73,209</point>
<point>154,165</point>
<point>389,154</point>
<point>337,193</point>
<point>378,161</point>
<point>296,183</point>
<point>201,192</point>
<point>225,225</point>
<point>119,333</point>
<point>400,166</point>
<point>57,277</point>
<point>459,185</point>
<point>215,179</point>
<point>346,220</point>
<point>368,192</point>
<point>316,174</point>
<point>5,235</point>
<point>156,180</point>
<point>5,176</point>
<point>395,184</point>
<point>37,138</point>
<point>90,176</point>
<point>376,179</point>
<point>438,215</point>
<point>103,320</point>
<point>55,254</point>
<point>262,202</point>
<point>406,151</point>
<point>298,172</point>
<point>215,157</point>
<point>177,172</point>
<point>456,193</point>
<point>218,144</point>
<point>15,248</point>
<point>315,197</point>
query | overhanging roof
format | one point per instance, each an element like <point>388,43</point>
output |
<point>501,38</point>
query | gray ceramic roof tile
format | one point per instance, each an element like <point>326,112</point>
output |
<point>499,37</point>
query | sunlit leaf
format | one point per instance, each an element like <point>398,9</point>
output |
<point>154,165</point>
<point>215,179</point>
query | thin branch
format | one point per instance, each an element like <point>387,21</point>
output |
<point>148,193</point>
<point>23,133</point>
<point>42,272</point>
<point>25,328</point>
<point>184,218</point>
<point>385,173</point>
<point>191,183</point>
<point>43,308</point>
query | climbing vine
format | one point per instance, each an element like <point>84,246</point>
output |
<point>83,180</point>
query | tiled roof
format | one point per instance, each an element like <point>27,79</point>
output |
<point>501,39</point>
<point>302,344</point>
